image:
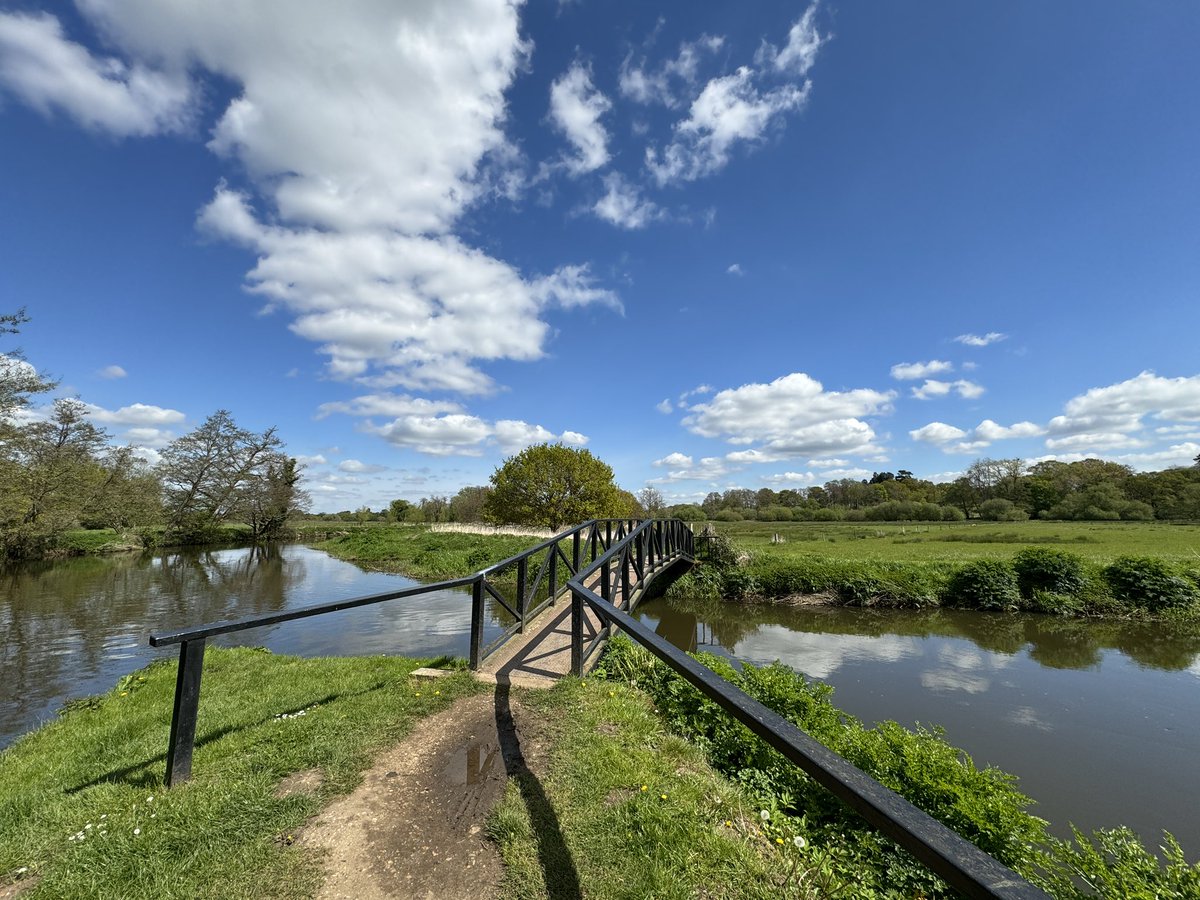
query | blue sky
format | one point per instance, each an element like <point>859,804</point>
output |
<point>757,245</point>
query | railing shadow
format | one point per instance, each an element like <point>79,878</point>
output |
<point>554,857</point>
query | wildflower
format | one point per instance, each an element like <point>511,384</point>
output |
<point>765,815</point>
<point>103,815</point>
<point>137,831</point>
<point>800,842</point>
<point>728,823</point>
<point>437,693</point>
<point>662,796</point>
<point>643,787</point>
<point>124,693</point>
<point>612,693</point>
<point>779,840</point>
<point>22,870</point>
<point>150,799</point>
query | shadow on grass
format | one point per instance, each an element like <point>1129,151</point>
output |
<point>558,868</point>
<point>138,774</point>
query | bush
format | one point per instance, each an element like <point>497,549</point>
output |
<point>1043,569</point>
<point>953,514</point>
<point>984,584</point>
<point>829,514</point>
<point>728,515</point>
<point>1148,583</point>
<point>1001,510</point>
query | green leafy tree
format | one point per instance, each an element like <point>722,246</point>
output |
<point>209,474</point>
<point>467,504</point>
<point>273,496</point>
<point>651,501</point>
<point>551,485</point>
<point>18,379</point>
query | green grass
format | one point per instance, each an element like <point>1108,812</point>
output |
<point>421,553</point>
<point>224,834</point>
<point>633,811</point>
<point>962,541</point>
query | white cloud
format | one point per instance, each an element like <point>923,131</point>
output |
<point>1120,408</point>
<point>828,463</point>
<point>730,110</point>
<point>575,108</point>
<point>52,74</point>
<point>937,433</point>
<point>991,431</point>
<point>314,460</point>
<point>1091,441</point>
<point>799,54</point>
<point>976,340</point>
<point>112,372</point>
<point>147,437</point>
<point>793,416</point>
<point>733,109</point>
<point>968,390</point>
<point>913,371</point>
<point>448,435</point>
<point>734,269</point>
<point>664,84</point>
<point>134,415</point>
<point>791,479</point>
<point>387,405</point>
<point>623,205</point>
<point>574,438</point>
<point>357,467</point>
<point>664,407</point>
<point>367,128</point>
<point>682,468</point>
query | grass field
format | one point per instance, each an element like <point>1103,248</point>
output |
<point>963,541</point>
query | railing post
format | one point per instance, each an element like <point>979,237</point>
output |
<point>607,533</point>
<point>187,706</point>
<point>641,554</point>
<point>553,573</point>
<point>522,579</point>
<point>476,623</point>
<point>625,588</point>
<point>576,634</point>
<point>595,540</point>
<point>576,547</point>
<point>606,582</point>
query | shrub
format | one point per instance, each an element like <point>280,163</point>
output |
<point>1148,583</point>
<point>1001,510</point>
<point>1044,569</point>
<point>729,515</point>
<point>953,514</point>
<point>984,584</point>
<point>829,514</point>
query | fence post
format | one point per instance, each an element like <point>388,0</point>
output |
<point>576,633</point>
<point>625,591</point>
<point>576,547</point>
<point>476,623</point>
<point>606,582</point>
<point>553,573</point>
<point>522,578</point>
<point>607,533</point>
<point>187,707</point>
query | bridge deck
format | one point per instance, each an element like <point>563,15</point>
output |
<point>541,655</point>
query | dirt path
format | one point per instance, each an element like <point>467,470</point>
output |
<point>415,827</point>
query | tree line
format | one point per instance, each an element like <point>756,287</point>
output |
<point>61,472</point>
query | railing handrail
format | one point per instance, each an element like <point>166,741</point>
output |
<point>227,626</point>
<point>963,865</point>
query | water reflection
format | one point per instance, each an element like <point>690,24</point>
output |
<point>1100,720</point>
<point>73,627</point>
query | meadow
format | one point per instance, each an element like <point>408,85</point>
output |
<point>957,542</point>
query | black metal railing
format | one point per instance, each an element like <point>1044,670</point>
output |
<point>521,596</point>
<point>960,863</point>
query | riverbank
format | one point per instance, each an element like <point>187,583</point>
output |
<point>423,554</point>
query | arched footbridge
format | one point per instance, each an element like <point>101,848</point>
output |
<point>604,567</point>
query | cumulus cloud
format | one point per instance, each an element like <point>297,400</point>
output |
<point>439,428</point>
<point>50,73</point>
<point>916,370</point>
<point>799,54</point>
<point>1120,408</point>
<point>792,416</point>
<point>664,407</point>
<point>357,467</point>
<point>968,390</point>
<point>365,130</point>
<point>952,439</point>
<point>112,372</point>
<point>682,467</point>
<point>623,204</point>
<point>980,340</point>
<point>575,109</point>
<point>734,269</point>
<point>134,415</point>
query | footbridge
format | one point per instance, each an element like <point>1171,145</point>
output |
<point>604,567</point>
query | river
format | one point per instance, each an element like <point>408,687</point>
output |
<point>1100,720</point>
<point>73,627</point>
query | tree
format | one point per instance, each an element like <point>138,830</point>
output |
<point>467,504</point>
<point>434,509</point>
<point>18,379</point>
<point>273,496</point>
<point>651,501</point>
<point>551,485</point>
<point>209,474</point>
<point>397,510</point>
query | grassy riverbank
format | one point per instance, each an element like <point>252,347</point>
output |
<point>424,554</point>
<point>83,810</point>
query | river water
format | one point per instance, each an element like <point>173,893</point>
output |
<point>73,627</point>
<point>1099,720</point>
